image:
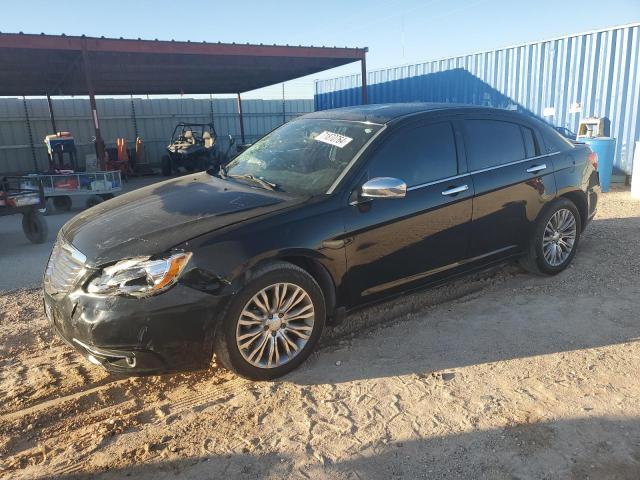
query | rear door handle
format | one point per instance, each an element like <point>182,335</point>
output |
<point>536,168</point>
<point>454,190</point>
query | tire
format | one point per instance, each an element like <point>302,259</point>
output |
<point>201,163</point>
<point>93,200</point>
<point>106,196</point>
<point>62,204</point>
<point>227,345</point>
<point>535,260</point>
<point>166,165</point>
<point>35,227</point>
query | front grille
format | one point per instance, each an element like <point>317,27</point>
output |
<point>65,266</point>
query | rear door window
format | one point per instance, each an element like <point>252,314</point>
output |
<point>417,155</point>
<point>490,143</point>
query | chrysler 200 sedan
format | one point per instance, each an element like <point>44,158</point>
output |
<point>330,212</point>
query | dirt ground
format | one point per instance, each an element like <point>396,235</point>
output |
<point>502,375</point>
<point>26,260</point>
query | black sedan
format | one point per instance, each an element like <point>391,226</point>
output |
<point>332,211</point>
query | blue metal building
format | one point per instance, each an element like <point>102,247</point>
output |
<point>561,80</point>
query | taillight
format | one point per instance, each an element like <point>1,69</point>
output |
<point>593,158</point>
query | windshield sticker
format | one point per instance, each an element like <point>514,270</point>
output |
<point>334,139</point>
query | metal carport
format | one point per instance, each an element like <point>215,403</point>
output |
<point>46,65</point>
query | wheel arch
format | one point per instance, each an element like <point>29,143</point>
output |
<point>579,199</point>
<point>309,262</point>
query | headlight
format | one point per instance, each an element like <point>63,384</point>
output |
<point>140,277</point>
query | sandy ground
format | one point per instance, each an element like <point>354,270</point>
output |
<point>502,375</point>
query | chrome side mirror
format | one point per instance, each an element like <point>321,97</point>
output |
<point>383,187</point>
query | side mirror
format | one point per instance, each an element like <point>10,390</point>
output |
<point>232,141</point>
<point>383,187</point>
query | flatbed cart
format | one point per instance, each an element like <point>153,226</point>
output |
<point>20,195</point>
<point>60,188</point>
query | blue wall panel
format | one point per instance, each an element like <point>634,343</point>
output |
<point>561,80</point>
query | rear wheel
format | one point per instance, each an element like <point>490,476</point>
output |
<point>35,227</point>
<point>106,196</point>
<point>201,163</point>
<point>93,200</point>
<point>273,324</point>
<point>555,239</point>
<point>62,204</point>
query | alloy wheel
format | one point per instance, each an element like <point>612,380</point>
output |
<point>559,237</point>
<point>275,325</point>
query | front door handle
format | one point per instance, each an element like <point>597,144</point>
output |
<point>536,168</point>
<point>455,190</point>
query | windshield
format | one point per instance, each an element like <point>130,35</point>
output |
<point>303,156</point>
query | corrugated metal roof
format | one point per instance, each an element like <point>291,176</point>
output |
<point>55,65</point>
<point>563,79</point>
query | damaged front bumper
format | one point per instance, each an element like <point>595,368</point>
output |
<point>167,332</point>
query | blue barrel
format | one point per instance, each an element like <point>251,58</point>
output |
<point>605,147</point>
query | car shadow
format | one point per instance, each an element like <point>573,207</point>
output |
<point>589,447</point>
<point>498,315</point>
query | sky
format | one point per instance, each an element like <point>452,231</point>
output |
<point>397,32</point>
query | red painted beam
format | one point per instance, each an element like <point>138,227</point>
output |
<point>56,42</point>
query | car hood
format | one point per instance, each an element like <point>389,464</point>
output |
<point>151,220</point>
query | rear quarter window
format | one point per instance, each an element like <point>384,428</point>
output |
<point>552,141</point>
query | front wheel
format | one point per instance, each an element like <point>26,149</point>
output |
<point>35,227</point>
<point>166,166</point>
<point>555,239</point>
<point>273,324</point>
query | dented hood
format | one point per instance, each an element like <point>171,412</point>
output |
<point>153,219</point>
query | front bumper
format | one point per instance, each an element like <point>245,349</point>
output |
<point>166,332</point>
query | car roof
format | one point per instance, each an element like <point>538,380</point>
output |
<point>387,112</point>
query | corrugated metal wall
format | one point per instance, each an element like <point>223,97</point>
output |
<point>154,118</point>
<point>561,80</point>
